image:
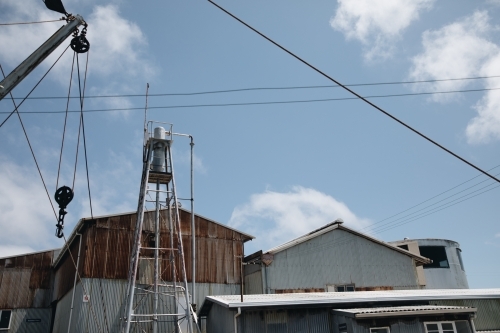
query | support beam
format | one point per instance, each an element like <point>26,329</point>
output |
<point>28,65</point>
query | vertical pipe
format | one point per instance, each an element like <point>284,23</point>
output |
<point>181,250</point>
<point>74,282</point>
<point>241,278</point>
<point>193,233</point>
<point>156,268</point>
<point>172,258</point>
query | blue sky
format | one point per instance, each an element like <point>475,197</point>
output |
<point>272,170</point>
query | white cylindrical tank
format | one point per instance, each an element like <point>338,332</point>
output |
<point>447,270</point>
<point>159,150</point>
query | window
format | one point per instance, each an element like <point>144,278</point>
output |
<point>380,330</point>
<point>459,254</point>
<point>5,319</point>
<point>345,287</point>
<point>404,247</point>
<point>437,254</point>
<point>461,326</point>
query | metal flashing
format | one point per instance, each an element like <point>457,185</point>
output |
<point>399,311</point>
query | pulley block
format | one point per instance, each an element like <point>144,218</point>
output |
<point>80,44</point>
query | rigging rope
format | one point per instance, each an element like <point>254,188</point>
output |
<point>36,85</point>
<point>65,120</point>
<point>34,22</point>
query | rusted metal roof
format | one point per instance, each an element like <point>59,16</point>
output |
<point>399,311</point>
<point>26,280</point>
<point>419,260</point>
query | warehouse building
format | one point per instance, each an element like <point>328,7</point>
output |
<point>394,311</point>
<point>43,292</point>
<point>333,258</point>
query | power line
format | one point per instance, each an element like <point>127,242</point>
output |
<point>35,22</point>
<point>272,88</point>
<point>260,103</point>
<point>357,95</point>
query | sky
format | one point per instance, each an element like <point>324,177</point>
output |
<point>272,170</point>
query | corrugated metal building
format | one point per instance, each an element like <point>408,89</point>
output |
<point>26,285</point>
<point>332,258</point>
<point>395,311</point>
<point>103,266</point>
<point>38,289</point>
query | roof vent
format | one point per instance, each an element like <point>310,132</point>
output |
<point>338,221</point>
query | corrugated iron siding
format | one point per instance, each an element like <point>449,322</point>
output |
<point>102,313</point>
<point>281,321</point>
<point>18,323</point>
<point>221,320</point>
<point>339,257</point>
<point>488,311</point>
<point>25,281</point>
<point>106,247</point>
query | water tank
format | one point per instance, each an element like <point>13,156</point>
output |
<point>447,270</point>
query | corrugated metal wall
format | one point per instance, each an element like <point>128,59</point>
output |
<point>25,281</point>
<point>221,320</point>
<point>339,257</point>
<point>279,321</point>
<point>253,283</point>
<point>105,308</point>
<point>19,323</point>
<point>488,311</point>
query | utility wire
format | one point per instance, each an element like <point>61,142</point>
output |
<point>258,103</point>
<point>65,120</point>
<point>31,149</point>
<point>35,22</point>
<point>272,88</point>
<point>356,94</point>
<point>36,85</point>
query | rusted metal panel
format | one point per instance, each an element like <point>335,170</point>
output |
<point>25,281</point>
<point>107,243</point>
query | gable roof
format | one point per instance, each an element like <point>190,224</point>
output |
<point>337,224</point>
<point>84,220</point>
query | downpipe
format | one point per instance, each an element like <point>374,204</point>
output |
<point>236,321</point>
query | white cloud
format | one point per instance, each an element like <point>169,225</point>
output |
<point>13,250</point>
<point>377,24</point>
<point>454,51</point>
<point>118,47</point>
<point>463,49</point>
<point>274,217</point>
<point>485,127</point>
<point>26,219</point>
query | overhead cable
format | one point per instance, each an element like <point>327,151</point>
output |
<point>356,94</point>
<point>259,103</point>
<point>274,88</point>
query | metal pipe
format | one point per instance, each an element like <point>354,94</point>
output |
<point>172,259</point>
<point>235,321</point>
<point>179,236</point>
<point>156,268</point>
<point>28,65</point>
<point>193,232</point>
<point>74,282</point>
